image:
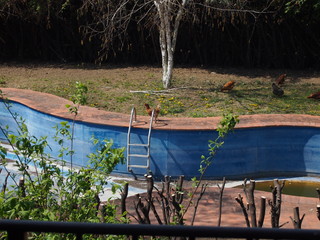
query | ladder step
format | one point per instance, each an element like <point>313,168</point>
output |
<point>146,152</point>
<point>137,166</point>
<point>138,144</point>
<point>138,155</point>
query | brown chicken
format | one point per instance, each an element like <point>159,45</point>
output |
<point>156,111</point>
<point>148,109</point>
<point>228,86</point>
<point>277,90</point>
<point>281,78</point>
<point>315,95</point>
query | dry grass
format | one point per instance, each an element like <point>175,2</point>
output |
<point>196,91</point>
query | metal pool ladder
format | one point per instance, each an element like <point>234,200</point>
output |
<point>130,165</point>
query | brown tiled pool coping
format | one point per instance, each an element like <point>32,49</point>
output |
<point>56,106</point>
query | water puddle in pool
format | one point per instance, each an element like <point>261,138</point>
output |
<point>305,187</point>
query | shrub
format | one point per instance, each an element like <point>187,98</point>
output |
<point>50,189</point>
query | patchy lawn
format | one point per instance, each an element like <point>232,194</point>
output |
<point>195,92</point>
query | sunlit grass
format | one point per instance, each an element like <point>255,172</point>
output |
<point>196,91</point>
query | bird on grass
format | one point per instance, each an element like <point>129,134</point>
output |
<point>315,95</point>
<point>148,109</point>
<point>281,78</point>
<point>277,90</point>
<point>228,86</point>
<point>156,111</point>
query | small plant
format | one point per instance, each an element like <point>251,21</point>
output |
<point>79,98</point>
<point>226,125</point>
<point>48,190</point>
<point>122,99</point>
<point>2,80</point>
<point>171,106</point>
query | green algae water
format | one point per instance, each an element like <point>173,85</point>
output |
<point>295,188</point>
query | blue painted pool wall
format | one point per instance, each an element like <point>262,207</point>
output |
<point>249,152</point>
<point>40,124</point>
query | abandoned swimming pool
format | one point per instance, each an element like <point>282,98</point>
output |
<point>260,146</point>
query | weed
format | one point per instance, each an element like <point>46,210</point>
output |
<point>122,99</point>
<point>197,114</point>
<point>150,75</point>
<point>106,80</point>
<point>3,80</point>
<point>171,105</point>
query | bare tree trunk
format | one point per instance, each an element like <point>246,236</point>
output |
<point>203,190</point>
<point>262,211</point>
<point>168,29</point>
<point>250,198</point>
<point>145,209</point>
<point>124,195</point>
<point>275,203</point>
<point>221,189</point>
<point>296,220</point>
<point>318,191</point>
<point>22,189</point>
<point>318,212</point>
<point>239,199</point>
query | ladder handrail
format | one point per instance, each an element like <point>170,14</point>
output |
<point>149,139</point>
<point>133,115</point>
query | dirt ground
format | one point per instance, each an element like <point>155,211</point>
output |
<point>25,73</point>
<point>195,91</point>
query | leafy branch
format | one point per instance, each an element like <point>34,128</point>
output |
<point>226,125</point>
<point>79,98</point>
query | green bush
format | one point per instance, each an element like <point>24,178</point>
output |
<point>49,189</point>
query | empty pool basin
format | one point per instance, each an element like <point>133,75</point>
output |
<point>261,145</point>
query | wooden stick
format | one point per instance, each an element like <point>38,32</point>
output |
<point>154,210</point>
<point>318,212</point>
<point>22,187</point>
<point>275,204</point>
<point>296,220</point>
<point>150,184</point>
<point>164,199</point>
<point>4,187</point>
<point>250,198</point>
<point>318,191</point>
<point>221,189</point>
<point>203,189</point>
<point>239,199</point>
<point>179,190</point>
<point>140,219</point>
<point>262,211</point>
<point>158,91</point>
<point>144,209</point>
<point>124,195</point>
<point>177,208</point>
<point>167,181</point>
